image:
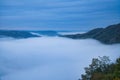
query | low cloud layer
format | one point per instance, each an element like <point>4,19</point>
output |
<point>50,58</point>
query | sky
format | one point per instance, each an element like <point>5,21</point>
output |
<point>58,14</point>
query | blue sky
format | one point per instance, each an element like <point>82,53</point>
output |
<point>58,14</point>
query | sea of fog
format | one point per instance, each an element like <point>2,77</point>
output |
<point>50,58</point>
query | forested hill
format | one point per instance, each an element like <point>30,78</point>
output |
<point>16,34</point>
<point>108,35</point>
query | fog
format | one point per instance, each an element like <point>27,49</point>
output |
<point>50,58</point>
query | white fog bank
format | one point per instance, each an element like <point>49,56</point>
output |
<point>50,58</point>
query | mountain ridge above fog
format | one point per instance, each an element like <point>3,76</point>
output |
<point>21,34</point>
<point>16,34</point>
<point>108,35</point>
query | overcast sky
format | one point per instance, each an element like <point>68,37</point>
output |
<point>58,14</point>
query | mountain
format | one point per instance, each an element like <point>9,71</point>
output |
<point>46,33</point>
<point>108,35</point>
<point>16,34</point>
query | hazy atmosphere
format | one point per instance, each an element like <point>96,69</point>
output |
<point>59,39</point>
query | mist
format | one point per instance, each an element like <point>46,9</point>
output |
<point>50,58</point>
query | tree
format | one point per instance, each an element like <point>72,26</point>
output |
<point>98,65</point>
<point>102,69</point>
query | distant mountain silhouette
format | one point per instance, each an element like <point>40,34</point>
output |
<point>47,33</point>
<point>27,34</point>
<point>108,35</point>
<point>16,34</point>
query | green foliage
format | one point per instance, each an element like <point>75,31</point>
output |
<point>101,69</point>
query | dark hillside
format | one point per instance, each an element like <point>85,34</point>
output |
<point>108,35</point>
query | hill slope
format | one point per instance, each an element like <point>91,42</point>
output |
<point>16,34</point>
<point>108,35</point>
